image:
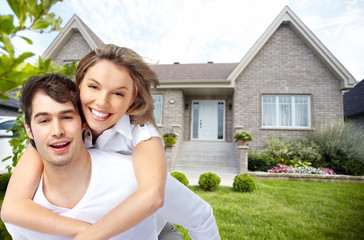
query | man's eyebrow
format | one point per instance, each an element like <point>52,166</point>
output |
<point>42,114</point>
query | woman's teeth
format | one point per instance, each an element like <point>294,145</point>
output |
<point>98,114</point>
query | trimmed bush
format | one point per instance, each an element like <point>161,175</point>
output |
<point>4,180</point>
<point>180,177</point>
<point>260,162</point>
<point>209,181</point>
<point>244,183</point>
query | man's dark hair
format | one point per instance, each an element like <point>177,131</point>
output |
<point>56,86</point>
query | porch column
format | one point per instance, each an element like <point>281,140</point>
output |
<point>243,158</point>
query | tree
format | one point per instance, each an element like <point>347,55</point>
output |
<point>29,15</point>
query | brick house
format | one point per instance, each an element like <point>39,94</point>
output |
<point>286,85</point>
<point>354,104</point>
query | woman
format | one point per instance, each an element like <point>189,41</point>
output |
<point>117,104</point>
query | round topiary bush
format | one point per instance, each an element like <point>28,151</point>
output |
<point>4,180</point>
<point>244,183</point>
<point>209,181</point>
<point>180,177</point>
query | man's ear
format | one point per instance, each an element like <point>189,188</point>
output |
<point>84,126</point>
<point>29,131</point>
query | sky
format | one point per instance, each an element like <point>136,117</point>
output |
<point>198,31</point>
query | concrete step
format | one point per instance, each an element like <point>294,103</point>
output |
<point>196,158</point>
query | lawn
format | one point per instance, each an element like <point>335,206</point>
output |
<point>288,210</point>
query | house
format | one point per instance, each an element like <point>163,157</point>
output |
<point>10,107</point>
<point>354,104</point>
<point>286,85</point>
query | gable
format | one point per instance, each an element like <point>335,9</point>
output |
<point>75,28</point>
<point>287,17</point>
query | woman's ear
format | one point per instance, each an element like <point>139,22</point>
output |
<point>29,131</point>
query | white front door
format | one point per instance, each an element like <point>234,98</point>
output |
<point>208,120</point>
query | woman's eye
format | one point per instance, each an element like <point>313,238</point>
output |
<point>119,94</point>
<point>92,86</point>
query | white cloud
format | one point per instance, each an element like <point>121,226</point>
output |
<point>214,30</point>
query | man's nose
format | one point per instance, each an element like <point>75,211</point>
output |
<point>58,129</point>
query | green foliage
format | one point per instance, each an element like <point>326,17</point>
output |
<point>180,177</point>
<point>341,146</point>
<point>169,139</point>
<point>30,15</point>
<point>244,183</point>
<point>243,136</point>
<point>260,162</point>
<point>293,153</point>
<point>4,179</point>
<point>209,181</point>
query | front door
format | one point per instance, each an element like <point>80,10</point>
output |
<point>208,120</point>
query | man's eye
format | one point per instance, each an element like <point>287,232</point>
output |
<point>67,117</point>
<point>43,121</point>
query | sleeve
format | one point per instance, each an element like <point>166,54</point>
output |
<point>185,208</point>
<point>144,132</point>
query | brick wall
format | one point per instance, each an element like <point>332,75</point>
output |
<point>74,49</point>
<point>285,65</point>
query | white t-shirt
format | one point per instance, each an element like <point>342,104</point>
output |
<point>181,205</point>
<point>112,181</point>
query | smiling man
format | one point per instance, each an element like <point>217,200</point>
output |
<point>75,183</point>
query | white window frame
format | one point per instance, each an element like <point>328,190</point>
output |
<point>158,108</point>
<point>278,123</point>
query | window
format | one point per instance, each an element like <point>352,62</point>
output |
<point>286,111</point>
<point>158,108</point>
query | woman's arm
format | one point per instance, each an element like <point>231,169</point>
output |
<point>19,209</point>
<point>150,171</point>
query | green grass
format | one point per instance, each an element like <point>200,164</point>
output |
<point>288,210</point>
<point>281,209</point>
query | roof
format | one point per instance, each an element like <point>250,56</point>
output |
<point>74,24</point>
<point>193,72</point>
<point>354,100</point>
<point>11,102</point>
<point>287,16</point>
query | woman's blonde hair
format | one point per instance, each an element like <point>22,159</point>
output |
<point>141,111</point>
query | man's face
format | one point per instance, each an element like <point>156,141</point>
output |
<point>56,129</point>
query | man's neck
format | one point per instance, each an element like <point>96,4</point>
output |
<point>65,186</point>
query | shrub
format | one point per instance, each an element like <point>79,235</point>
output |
<point>4,180</point>
<point>260,162</point>
<point>293,153</point>
<point>169,139</point>
<point>180,177</point>
<point>244,183</point>
<point>341,146</point>
<point>209,181</point>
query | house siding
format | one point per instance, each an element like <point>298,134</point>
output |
<point>74,50</point>
<point>285,65</point>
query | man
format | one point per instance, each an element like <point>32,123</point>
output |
<point>76,183</point>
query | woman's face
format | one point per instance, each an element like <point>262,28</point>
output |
<point>106,93</point>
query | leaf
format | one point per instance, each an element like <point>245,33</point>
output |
<point>23,56</point>
<point>6,24</point>
<point>29,41</point>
